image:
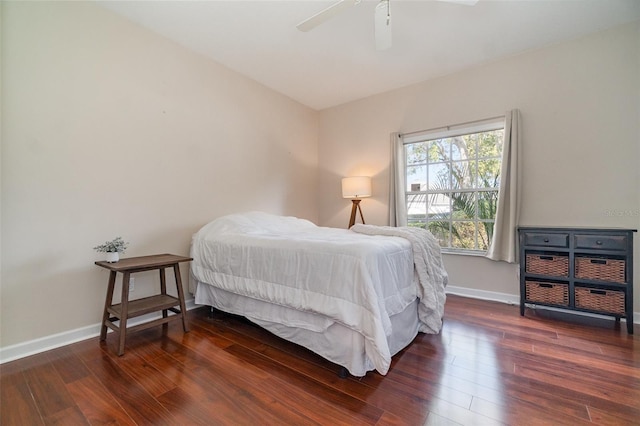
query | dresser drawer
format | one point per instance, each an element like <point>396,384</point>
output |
<point>543,264</point>
<point>601,269</point>
<point>543,239</point>
<point>551,293</point>
<point>600,300</point>
<point>600,242</point>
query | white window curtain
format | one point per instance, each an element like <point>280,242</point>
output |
<point>397,202</point>
<point>504,244</point>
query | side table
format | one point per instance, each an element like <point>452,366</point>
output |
<point>132,308</point>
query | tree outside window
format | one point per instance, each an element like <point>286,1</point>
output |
<point>452,187</point>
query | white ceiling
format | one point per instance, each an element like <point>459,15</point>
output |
<point>337,61</point>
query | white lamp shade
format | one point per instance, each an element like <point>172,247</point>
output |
<point>356,187</point>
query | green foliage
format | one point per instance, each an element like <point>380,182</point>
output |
<point>115,245</point>
<point>465,170</point>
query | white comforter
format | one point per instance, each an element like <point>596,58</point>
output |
<point>356,280</point>
<point>432,277</point>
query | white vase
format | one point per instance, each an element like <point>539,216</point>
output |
<point>113,256</point>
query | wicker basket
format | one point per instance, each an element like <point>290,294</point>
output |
<point>609,301</point>
<point>550,293</point>
<point>543,264</point>
<point>595,268</point>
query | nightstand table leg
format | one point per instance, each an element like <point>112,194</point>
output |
<point>107,304</point>
<point>163,290</point>
<point>124,312</point>
<point>176,270</point>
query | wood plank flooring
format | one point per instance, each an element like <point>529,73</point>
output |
<point>488,366</point>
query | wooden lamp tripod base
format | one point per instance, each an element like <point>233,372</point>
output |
<point>354,207</point>
<point>356,187</point>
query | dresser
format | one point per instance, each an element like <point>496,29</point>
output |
<point>578,269</point>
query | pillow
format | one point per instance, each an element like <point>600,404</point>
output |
<point>255,222</point>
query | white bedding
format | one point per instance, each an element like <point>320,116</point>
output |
<point>320,276</point>
<point>427,260</point>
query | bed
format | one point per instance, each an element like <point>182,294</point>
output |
<point>355,297</point>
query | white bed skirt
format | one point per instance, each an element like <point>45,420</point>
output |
<point>327,338</point>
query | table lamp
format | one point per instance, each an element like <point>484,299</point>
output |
<point>356,187</point>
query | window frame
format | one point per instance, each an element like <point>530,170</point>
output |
<point>479,126</point>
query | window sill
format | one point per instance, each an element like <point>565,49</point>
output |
<point>475,253</point>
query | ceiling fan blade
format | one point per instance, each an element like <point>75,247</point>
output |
<point>326,14</point>
<point>382,21</point>
<point>462,2</point>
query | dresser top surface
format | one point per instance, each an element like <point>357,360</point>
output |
<point>573,229</point>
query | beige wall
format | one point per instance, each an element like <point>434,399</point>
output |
<point>580,103</point>
<point>111,130</point>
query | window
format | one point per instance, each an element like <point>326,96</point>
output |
<point>452,183</point>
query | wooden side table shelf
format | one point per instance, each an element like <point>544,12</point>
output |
<point>132,308</point>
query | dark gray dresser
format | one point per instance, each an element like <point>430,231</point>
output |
<point>579,269</point>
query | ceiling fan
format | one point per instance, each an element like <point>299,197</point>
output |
<point>382,18</point>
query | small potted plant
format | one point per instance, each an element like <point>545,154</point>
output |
<point>112,248</point>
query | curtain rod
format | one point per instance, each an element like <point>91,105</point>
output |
<point>449,127</point>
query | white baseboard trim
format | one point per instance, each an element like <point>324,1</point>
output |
<point>32,347</point>
<point>511,299</point>
<point>514,299</point>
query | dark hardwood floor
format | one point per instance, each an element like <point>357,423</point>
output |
<point>487,366</point>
